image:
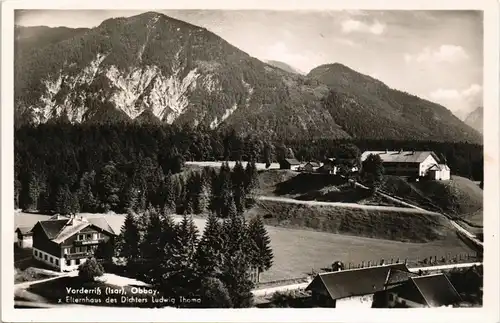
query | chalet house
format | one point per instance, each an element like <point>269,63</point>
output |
<point>355,287</point>
<point>311,167</point>
<point>412,164</point>
<point>290,163</point>
<point>24,237</point>
<point>64,243</point>
<point>423,291</point>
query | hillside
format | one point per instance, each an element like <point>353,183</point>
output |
<point>151,66</point>
<point>458,197</point>
<point>367,108</point>
<point>475,119</point>
<point>178,72</point>
<point>390,225</point>
<point>284,66</point>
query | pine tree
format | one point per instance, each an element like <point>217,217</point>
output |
<point>224,198</point>
<point>209,252</point>
<point>202,204</point>
<point>262,255</point>
<point>235,276</point>
<point>74,207</point>
<point>238,185</point>
<point>152,246</point>
<point>169,194</point>
<point>252,182</point>
<point>63,200</point>
<point>86,196</point>
<point>130,238</point>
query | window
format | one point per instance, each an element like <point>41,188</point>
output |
<point>77,261</point>
<point>89,236</point>
<point>84,249</point>
<point>57,262</point>
<point>68,262</point>
<point>65,250</point>
<point>51,260</point>
<point>77,249</point>
<point>45,257</point>
<point>36,253</point>
<point>95,236</point>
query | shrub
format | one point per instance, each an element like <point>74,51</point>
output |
<point>90,269</point>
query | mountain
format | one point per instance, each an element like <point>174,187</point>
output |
<point>284,66</point>
<point>154,68</point>
<point>475,119</point>
<point>357,101</point>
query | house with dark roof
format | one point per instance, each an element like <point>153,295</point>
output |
<point>413,164</point>
<point>355,287</point>
<point>312,166</point>
<point>65,242</point>
<point>424,291</point>
<point>24,237</point>
<point>290,163</point>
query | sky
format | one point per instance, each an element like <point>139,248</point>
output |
<point>437,55</point>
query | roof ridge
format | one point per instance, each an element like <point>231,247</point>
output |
<point>363,268</point>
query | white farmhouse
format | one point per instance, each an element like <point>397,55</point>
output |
<point>413,164</point>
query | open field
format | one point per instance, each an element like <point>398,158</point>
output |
<point>297,252</point>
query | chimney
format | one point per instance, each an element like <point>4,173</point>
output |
<point>401,151</point>
<point>386,151</point>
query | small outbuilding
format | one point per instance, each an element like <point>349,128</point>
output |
<point>439,172</point>
<point>24,237</point>
<point>290,163</point>
<point>311,166</point>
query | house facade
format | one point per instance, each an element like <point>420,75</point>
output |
<point>354,287</point>
<point>311,167</point>
<point>66,243</point>
<point>439,172</point>
<point>24,237</point>
<point>290,163</point>
<point>413,164</point>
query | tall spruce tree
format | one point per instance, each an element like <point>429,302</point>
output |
<point>169,194</point>
<point>152,246</point>
<point>130,238</point>
<point>238,184</point>
<point>202,203</point>
<point>209,253</point>
<point>262,255</point>
<point>252,182</point>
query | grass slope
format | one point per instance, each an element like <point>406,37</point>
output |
<point>459,197</point>
<point>390,225</point>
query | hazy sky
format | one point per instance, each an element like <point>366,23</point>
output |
<point>437,55</point>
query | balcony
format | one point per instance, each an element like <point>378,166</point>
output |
<point>88,242</point>
<point>78,255</point>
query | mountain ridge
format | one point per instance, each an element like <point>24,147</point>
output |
<point>184,74</point>
<point>475,119</point>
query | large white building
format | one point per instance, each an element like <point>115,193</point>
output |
<point>411,164</point>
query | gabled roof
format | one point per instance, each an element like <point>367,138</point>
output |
<point>439,167</point>
<point>313,164</point>
<point>24,230</point>
<point>355,282</point>
<point>102,223</point>
<point>436,290</point>
<point>52,227</point>
<point>292,161</point>
<point>400,156</point>
<point>397,276</point>
<point>59,230</point>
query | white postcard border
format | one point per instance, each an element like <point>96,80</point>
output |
<point>488,313</point>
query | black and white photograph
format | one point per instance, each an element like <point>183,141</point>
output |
<point>252,158</point>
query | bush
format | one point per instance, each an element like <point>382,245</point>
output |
<point>214,294</point>
<point>90,269</point>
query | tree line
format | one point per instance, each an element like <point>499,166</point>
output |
<point>179,262</point>
<point>103,167</point>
